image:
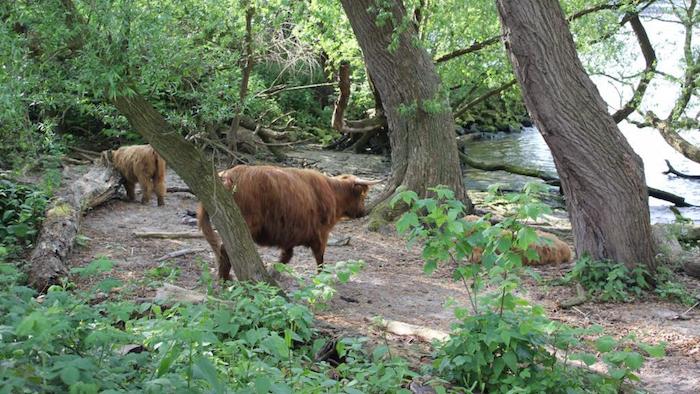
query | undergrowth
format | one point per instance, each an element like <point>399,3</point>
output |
<point>22,209</point>
<point>607,280</point>
<point>245,339</point>
<point>502,342</point>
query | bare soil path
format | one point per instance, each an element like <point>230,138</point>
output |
<point>392,284</point>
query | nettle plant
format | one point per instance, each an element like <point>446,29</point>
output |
<point>502,342</point>
<point>245,338</point>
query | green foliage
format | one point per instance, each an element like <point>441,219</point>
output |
<point>503,343</point>
<point>319,288</point>
<point>248,339</point>
<point>22,207</point>
<point>608,280</point>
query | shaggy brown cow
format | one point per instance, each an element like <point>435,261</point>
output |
<point>139,164</point>
<point>549,247</point>
<point>287,207</point>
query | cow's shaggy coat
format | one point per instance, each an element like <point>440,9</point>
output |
<point>287,207</point>
<point>139,164</point>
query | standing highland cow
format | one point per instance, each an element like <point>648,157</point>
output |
<point>287,207</point>
<point>139,164</point>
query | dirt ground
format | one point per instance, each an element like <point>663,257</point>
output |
<point>391,285</point>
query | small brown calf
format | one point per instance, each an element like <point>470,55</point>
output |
<point>139,164</point>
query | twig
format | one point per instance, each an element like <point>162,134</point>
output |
<point>178,253</point>
<point>167,235</point>
<point>178,189</point>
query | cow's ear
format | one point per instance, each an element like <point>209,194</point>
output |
<point>226,180</point>
<point>360,189</point>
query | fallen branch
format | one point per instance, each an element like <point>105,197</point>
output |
<point>169,295</point>
<point>178,189</point>
<point>47,263</point>
<point>71,160</point>
<point>673,171</point>
<point>85,151</point>
<point>166,235</point>
<point>580,297</point>
<point>554,181</point>
<point>406,329</point>
<point>178,253</point>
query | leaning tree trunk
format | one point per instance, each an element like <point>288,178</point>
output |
<point>602,177</point>
<point>421,126</point>
<point>201,177</point>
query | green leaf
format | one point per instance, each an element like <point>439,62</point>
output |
<point>379,352</point>
<point>204,368</point>
<point>168,359</point>
<point>587,358</point>
<point>617,373</point>
<point>511,360</point>
<point>654,350</point>
<point>275,345</point>
<point>634,361</point>
<point>20,230</point>
<point>605,344</point>
<point>262,384</point>
<point>408,220</point>
<point>70,375</point>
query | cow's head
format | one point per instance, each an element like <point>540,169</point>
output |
<point>353,190</point>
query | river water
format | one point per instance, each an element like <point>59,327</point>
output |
<point>528,149</point>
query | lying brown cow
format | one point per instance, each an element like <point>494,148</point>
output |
<point>139,164</point>
<point>287,207</point>
<point>549,247</point>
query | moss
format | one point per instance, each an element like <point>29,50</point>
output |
<point>384,214</point>
<point>60,210</point>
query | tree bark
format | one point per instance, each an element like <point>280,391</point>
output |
<point>201,177</point>
<point>421,136</point>
<point>47,263</point>
<point>602,177</point>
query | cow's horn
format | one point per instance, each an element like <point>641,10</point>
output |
<point>367,182</point>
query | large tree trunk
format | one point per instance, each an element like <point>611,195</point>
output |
<point>602,177</point>
<point>201,176</point>
<point>423,145</point>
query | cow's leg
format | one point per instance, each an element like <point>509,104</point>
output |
<point>146,189</point>
<point>160,189</point>
<point>319,249</point>
<point>130,190</point>
<point>286,255</point>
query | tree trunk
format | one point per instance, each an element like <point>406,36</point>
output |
<point>602,177</point>
<point>421,126</point>
<point>201,177</point>
<point>47,263</point>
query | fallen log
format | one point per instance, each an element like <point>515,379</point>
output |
<point>47,262</point>
<point>554,181</point>
<point>673,171</point>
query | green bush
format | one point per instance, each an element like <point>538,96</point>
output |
<point>22,207</point>
<point>502,342</point>
<point>244,339</point>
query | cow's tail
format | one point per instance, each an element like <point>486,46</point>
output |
<point>159,178</point>
<point>214,241</point>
